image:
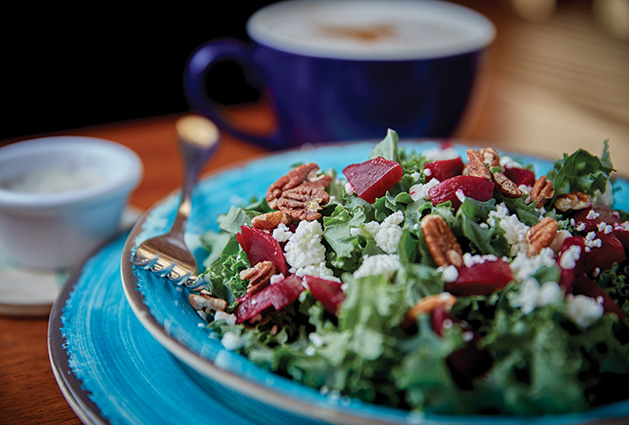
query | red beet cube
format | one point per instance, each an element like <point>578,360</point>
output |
<point>475,187</point>
<point>327,292</point>
<point>278,296</point>
<point>371,179</point>
<point>443,169</point>
<point>481,278</point>
<point>592,217</point>
<point>520,176</point>
<point>261,246</point>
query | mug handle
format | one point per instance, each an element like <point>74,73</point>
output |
<point>195,86</point>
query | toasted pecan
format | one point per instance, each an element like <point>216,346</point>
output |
<point>441,241</point>
<point>303,202</point>
<point>270,220</point>
<point>541,235</point>
<point>475,166</point>
<point>259,275</point>
<point>542,191</point>
<point>573,201</point>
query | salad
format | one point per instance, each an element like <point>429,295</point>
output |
<point>430,282</point>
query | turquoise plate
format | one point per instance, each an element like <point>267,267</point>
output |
<point>164,310</point>
<point>109,368</point>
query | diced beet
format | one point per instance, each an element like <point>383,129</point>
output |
<point>278,296</point>
<point>520,176</point>
<point>327,292</point>
<point>623,237</point>
<point>568,275</point>
<point>586,286</point>
<point>371,179</point>
<point>610,252</point>
<point>466,363</point>
<point>481,278</point>
<point>475,187</point>
<point>260,246</point>
<point>593,216</point>
<point>443,169</point>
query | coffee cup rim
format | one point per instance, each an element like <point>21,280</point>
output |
<point>482,31</point>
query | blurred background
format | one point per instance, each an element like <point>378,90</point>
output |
<point>559,61</point>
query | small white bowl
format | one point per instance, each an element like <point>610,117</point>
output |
<point>61,197</point>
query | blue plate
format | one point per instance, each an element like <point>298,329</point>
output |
<point>164,310</point>
<point>109,368</point>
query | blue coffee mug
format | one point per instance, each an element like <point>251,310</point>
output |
<point>359,85</point>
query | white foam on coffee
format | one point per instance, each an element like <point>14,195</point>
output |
<point>371,29</point>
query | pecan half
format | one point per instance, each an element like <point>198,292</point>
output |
<point>441,241</point>
<point>506,186</point>
<point>305,173</point>
<point>541,235</point>
<point>490,156</point>
<point>542,191</point>
<point>475,166</point>
<point>259,275</point>
<point>429,303</point>
<point>203,301</point>
<point>573,201</point>
<point>270,220</point>
<point>303,202</point>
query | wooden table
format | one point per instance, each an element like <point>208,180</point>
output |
<point>551,86</point>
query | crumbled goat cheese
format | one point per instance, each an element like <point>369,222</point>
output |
<point>583,310</point>
<point>386,234</point>
<point>349,188</point>
<point>623,226</point>
<point>449,274</point>
<point>559,239</point>
<point>532,295</point>
<point>420,191</point>
<point>592,215</point>
<point>515,230</point>
<point>460,195</point>
<point>580,227</point>
<point>524,266</point>
<point>230,319</point>
<point>605,228</point>
<point>436,154</point>
<point>569,258</point>
<point>304,251</point>
<point>231,341</point>
<point>282,233</point>
<point>386,264</point>
<point>507,161</point>
<point>592,242</point>
<point>276,278</point>
<point>469,260</point>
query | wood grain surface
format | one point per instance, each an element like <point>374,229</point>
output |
<point>556,81</point>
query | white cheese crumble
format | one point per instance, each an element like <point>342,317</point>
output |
<point>515,230</point>
<point>524,266</point>
<point>231,341</point>
<point>230,319</point>
<point>436,154</point>
<point>592,215</point>
<point>569,258</point>
<point>469,260</point>
<point>386,234</point>
<point>304,251</point>
<point>386,264</point>
<point>507,161</point>
<point>532,295</point>
<point>282,233</point>
<point>449,274</point>
<point>583,310</point>
<point>349,188</point>
<point>420,191</point>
